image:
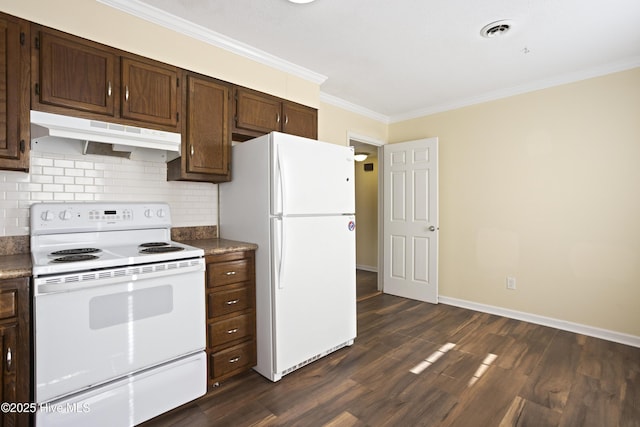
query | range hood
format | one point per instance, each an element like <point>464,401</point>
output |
<point>123,138</point>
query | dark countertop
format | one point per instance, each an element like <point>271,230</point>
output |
<point>220,246</point>
<point>15,266</point>
<point>15,258</point>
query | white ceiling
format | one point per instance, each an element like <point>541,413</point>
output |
<point>406,58</point>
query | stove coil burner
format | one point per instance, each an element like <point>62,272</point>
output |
<point>153,244</point>
<point>160,249</point>
<point>74,258</point>
<point>76,251</point>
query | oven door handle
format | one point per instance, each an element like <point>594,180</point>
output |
<point>94,279</point>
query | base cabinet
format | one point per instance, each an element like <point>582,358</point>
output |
<point>231,314</point>
<point>14,344</point>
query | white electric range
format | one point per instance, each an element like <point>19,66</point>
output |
<point>119,321</point>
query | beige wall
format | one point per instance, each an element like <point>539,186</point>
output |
<point>367,215</point>
<point>335,124</point>
<point>545,187</point>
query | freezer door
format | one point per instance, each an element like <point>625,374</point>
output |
<point>314,287</point>
<point>310,177</point>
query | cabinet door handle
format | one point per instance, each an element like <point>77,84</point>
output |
<point>277,117</point>
<point>126,93</point>
<point>109,90</point>
<point>192,150</point>
<point>234,360</point>
<point>230,273</point>
<point>286,119</point>
<point>9,359</point>
<point>232,331</point>
<point>233,301</point>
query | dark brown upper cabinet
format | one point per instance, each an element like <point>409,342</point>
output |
<point>258,113</point>
<point>149,92</point>
<point>82,78</point>
<point>299,120</point>
<point>206,137</point>
<point>14,93</point>
<point>75,73</point>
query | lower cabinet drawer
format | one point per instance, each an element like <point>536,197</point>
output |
<point>231,329</point>
<point>241,356</point>
<point>228,301</point>
<point>8,302</point>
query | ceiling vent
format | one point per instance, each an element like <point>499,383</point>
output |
<point>495,29</point>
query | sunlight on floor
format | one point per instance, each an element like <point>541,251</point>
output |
<point>482,368</point>
<point>431,359</point>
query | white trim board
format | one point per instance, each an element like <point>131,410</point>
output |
<point>577,328</point>
<point>198,32</point>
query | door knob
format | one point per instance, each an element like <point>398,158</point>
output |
<point>432,228</point>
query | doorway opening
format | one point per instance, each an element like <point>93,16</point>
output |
<point>367,189</point>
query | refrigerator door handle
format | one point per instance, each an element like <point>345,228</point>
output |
<point>279,249</point>
<point>281,180</point>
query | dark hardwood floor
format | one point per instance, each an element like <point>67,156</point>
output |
<point>366,284</point>
<point>469,369</point>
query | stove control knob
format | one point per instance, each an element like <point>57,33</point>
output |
<point>47,216</point>
<point>161,213</point>
<point>65,215</point>
<point>148,213</point>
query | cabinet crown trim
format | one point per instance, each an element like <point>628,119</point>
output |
<point>180,25</point>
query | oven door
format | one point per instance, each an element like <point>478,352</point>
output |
<point>96,334</point>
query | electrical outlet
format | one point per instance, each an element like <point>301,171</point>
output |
<point>511,282</point>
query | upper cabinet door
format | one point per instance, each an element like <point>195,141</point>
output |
<point>257,111</point>
<point>14,93</point>
<point>75,73</point>
<point>207,133</point>
<point>149,92</point>
<point>299,120</point>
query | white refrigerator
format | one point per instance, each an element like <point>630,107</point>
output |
<point>295,198</point>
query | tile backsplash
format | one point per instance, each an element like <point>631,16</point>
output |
<point>55,177</point>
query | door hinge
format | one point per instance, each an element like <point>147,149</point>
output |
<point>37,89</point>
<point>22,146</point>
<point>22,39</point>
<point>37,42</point>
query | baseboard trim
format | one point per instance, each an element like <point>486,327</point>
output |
<point>578,328</point>
<point>367,268</point>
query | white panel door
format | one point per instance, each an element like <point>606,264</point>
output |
<point>314,286</point>
<point>411,219</point>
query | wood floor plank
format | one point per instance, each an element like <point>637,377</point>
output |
<point>345,419</point>
<point>526,413</point>
<point>550,382</point>
<point>526,347</point>
<point>590,405</point>
<point>486,402</point>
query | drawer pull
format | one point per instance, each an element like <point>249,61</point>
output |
<point>233,301</point>
<point>234,360</point>
<point>232,331</point>
<point>230,273</point>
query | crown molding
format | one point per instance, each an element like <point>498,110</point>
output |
<point>518,90</point>
<point>182,26</point>
<point>354,108</point>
